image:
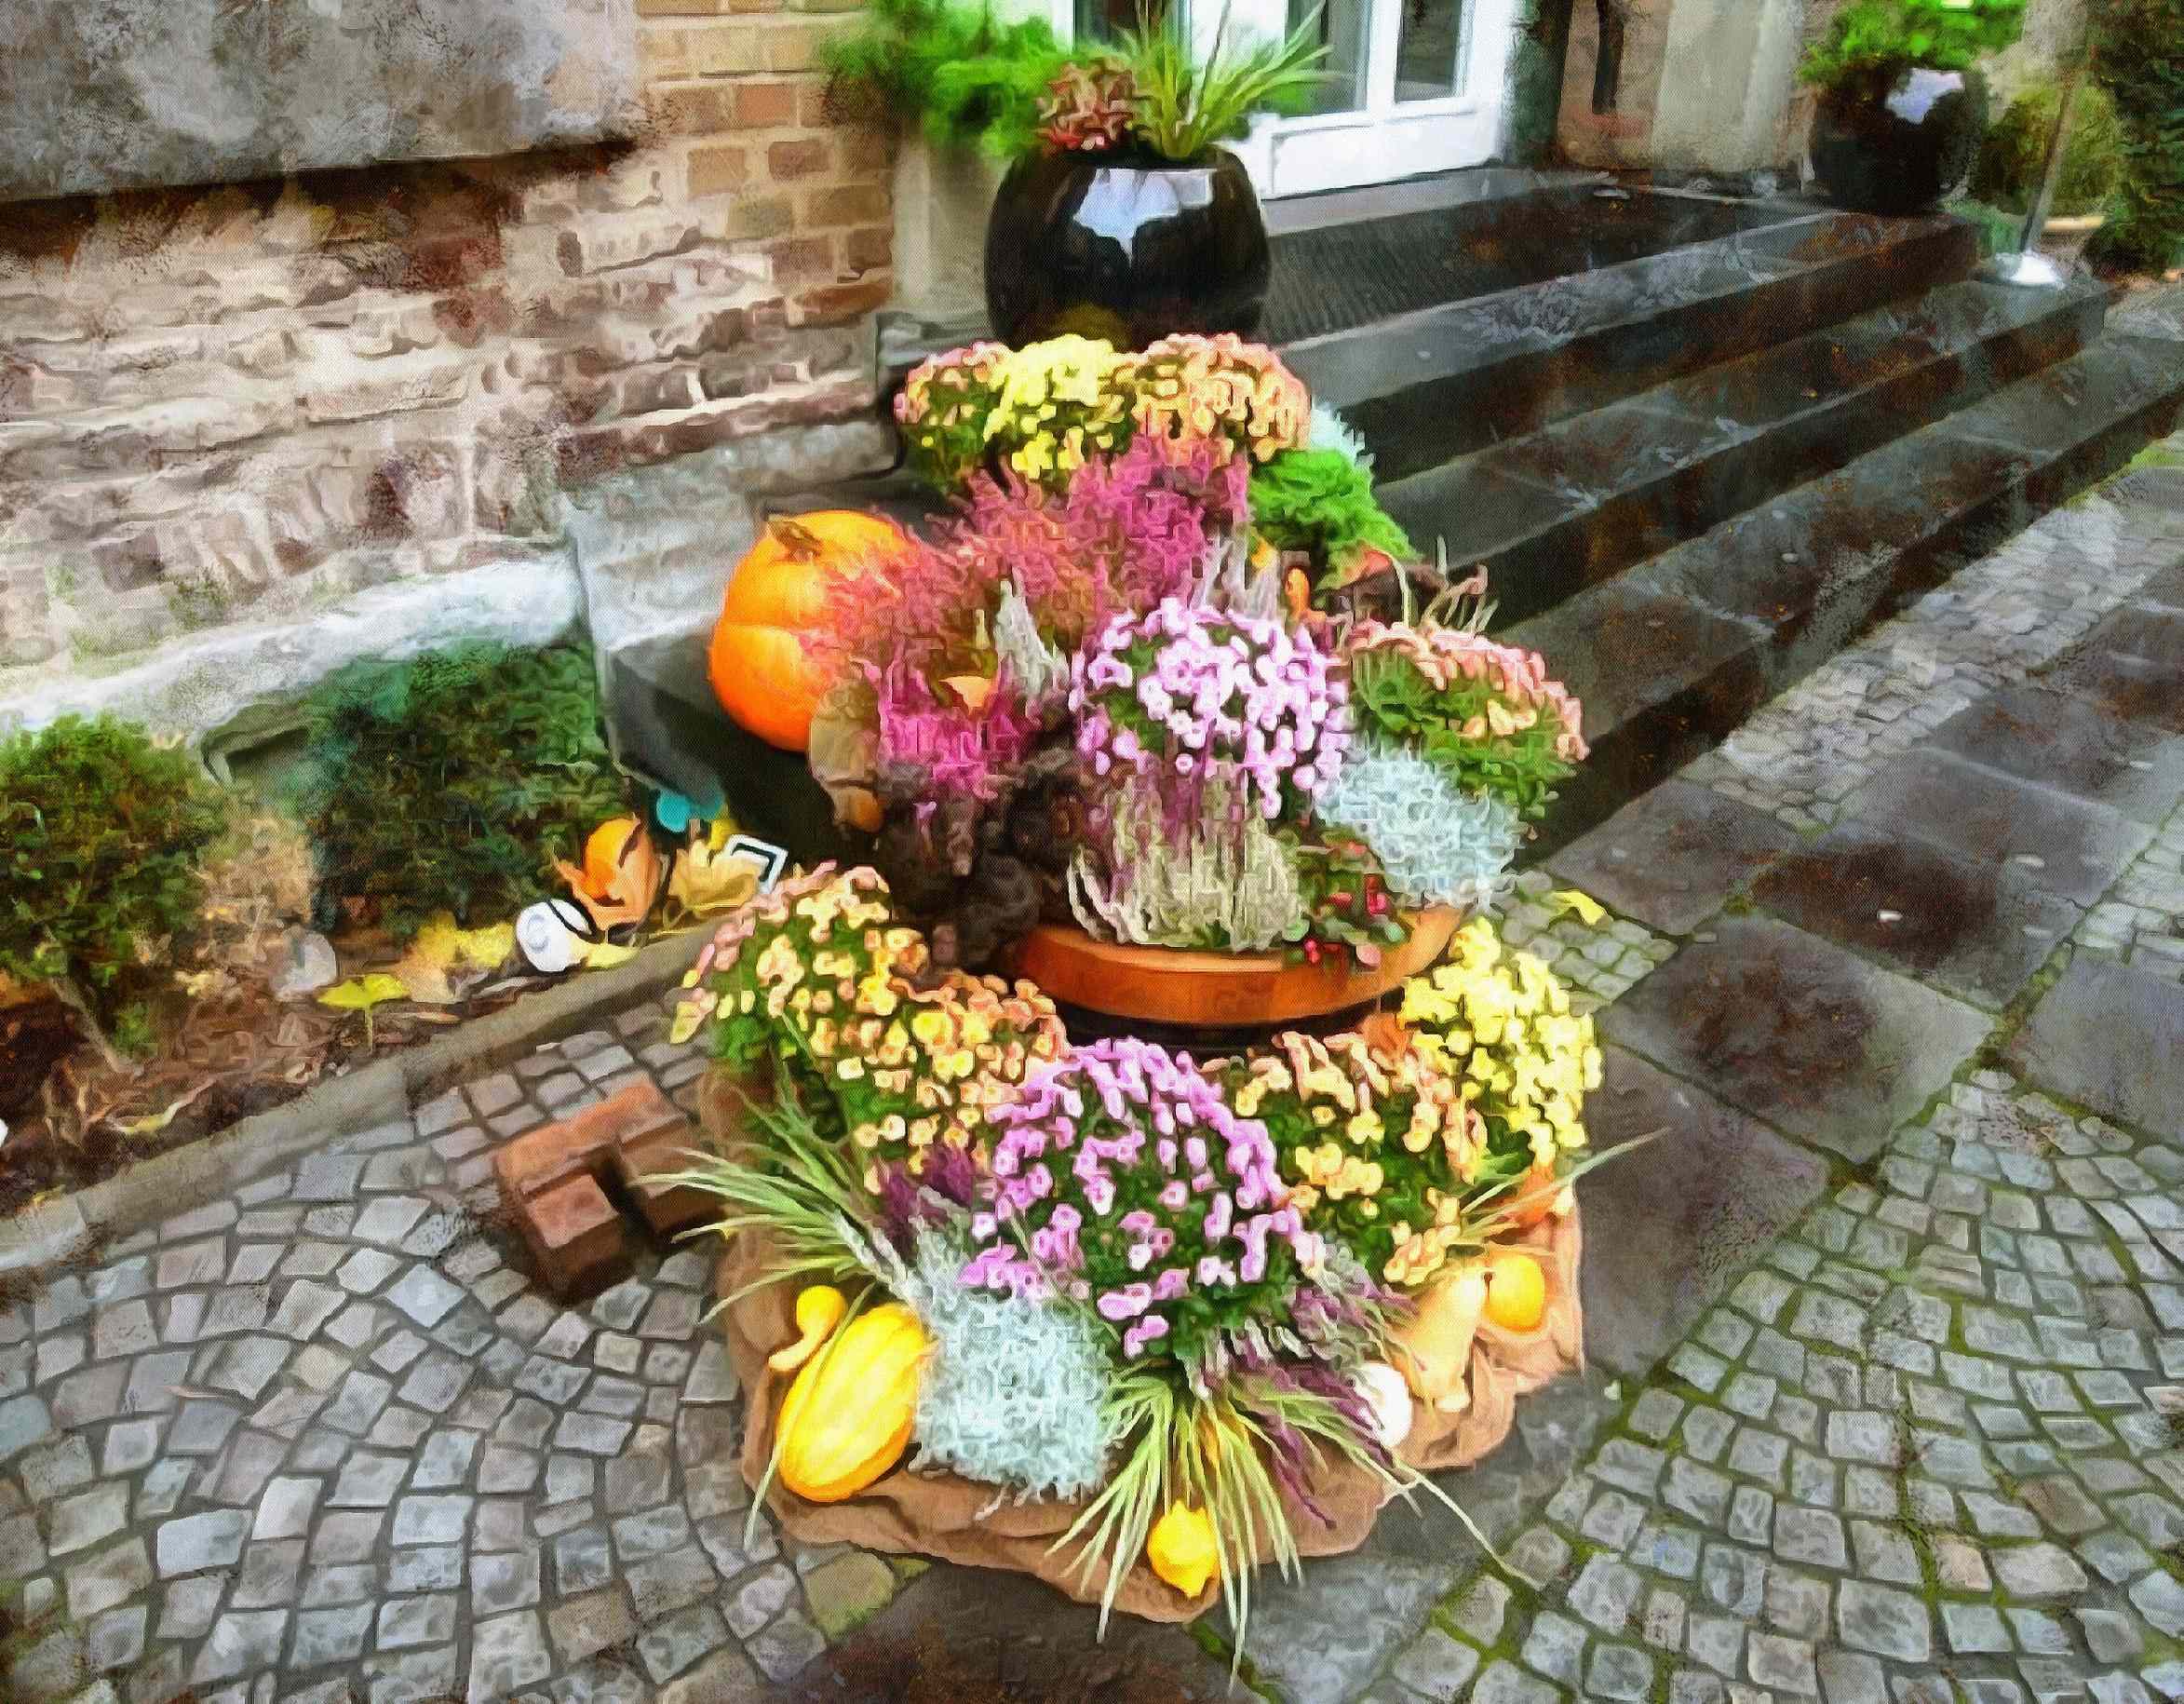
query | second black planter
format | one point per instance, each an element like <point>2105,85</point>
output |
<point>1898,139</point>
<point>1124,246</point>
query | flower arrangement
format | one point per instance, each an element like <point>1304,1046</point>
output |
<point>1122,1179</point>
<point>822,980</point>
<point>1485,714</point>
<point>1105,689</point>
<point>1435,845</point>
<point>1190,691</point>
<point>1089,108</point>
<point>1167,1295</point>
<point>1188,391</point>
<point>1500,1021</point>
<point>1379,1154</point>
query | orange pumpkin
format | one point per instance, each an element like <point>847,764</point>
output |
<point>761,662</point>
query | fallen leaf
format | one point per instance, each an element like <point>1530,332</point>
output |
<point>606,954</point>
<point>1589,911</point>
<point>360,993</point>
<point>426,970</point>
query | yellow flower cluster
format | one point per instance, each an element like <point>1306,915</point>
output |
<point>1499,1023</point>
<point>822,973</point>
<point>1191,389</point>
<point>1377,1150</point>
<point>1058,403</point>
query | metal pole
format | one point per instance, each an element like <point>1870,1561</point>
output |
<point>2028,266</point>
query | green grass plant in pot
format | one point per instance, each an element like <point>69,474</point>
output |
<point>1902,104</point>
<point>1128,221</point>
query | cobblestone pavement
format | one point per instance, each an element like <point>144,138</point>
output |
<point>1891,1326</point>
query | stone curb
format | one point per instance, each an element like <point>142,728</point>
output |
<point>50,1236</point>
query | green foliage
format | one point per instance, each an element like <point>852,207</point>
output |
<point>1944,34</point>
<point>969,78</point>
<point>1391,696</point>
<point>2015,149</point>
<point>1322,501</point>
<point>1184,106</point>
<point>1999,232</point>
<point>452,782</point>
<point>2139,58</point>
<point>102,838</point>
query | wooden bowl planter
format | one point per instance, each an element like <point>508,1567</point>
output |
<point>1215,990</point>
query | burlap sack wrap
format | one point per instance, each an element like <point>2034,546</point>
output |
<point>962,1520</point>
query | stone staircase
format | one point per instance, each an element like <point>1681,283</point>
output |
<point>1696,475</point>
<point>1700,444</point>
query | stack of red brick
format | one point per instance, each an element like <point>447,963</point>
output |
<point>555,1182</point>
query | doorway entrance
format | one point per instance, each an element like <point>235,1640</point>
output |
<point>1413,87</point>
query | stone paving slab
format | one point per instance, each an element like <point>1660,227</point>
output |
<point>2068,846</point>
<point>2111,1037</point>
<point>2045,737</point>
<point>2131,667</point>
<point>1974,930</point>
<point>1668,1226</point>
<point>1671,857</point>
<point>1794,1030</point>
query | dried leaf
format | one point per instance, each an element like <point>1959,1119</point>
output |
<point>425,972</point>
<point>1589,911</point>
<point>606,954</point>
<point>360,993</point>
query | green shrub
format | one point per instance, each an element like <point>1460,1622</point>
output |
<point>102,834</point>
<point>1946,34</point>
<point>2015,149</point>
<point>2139,58</point>
<point>451,783</point>
<point>971,79</point>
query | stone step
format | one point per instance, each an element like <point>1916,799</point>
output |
<point>1424,386</point>
<point>1672,655</point>
<point>1578,502</point>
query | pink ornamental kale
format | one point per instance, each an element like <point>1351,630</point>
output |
<point>1187,692</point>
<point>1121,1174</point>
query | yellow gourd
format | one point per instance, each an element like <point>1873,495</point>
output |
<point>1516,1291</point>
<point>847,1417</point>
<point>1434,1345</point>
<point>819,1308</point>
<point>1182,1550</point>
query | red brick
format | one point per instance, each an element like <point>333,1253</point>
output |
<point>580,1141</point>
<point>668,1209</point>
<point>716,170</point>
<point>761,106</point>
<point>804,159</point>
<point>857,204</point>
<point>575,1238</point>
<point>870,248</point>
<point>694,109</point>
<point>803,259</point>
<point>834,302</point>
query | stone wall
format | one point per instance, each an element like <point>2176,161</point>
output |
<point>248,431</point>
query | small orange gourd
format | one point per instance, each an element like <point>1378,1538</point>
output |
<point>760,661</point>
<point>847,1417</point>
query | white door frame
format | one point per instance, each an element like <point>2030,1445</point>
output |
<point>1385,140</point>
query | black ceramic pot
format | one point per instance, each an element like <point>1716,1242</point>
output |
<point>1124,246</point>
<point>1898,139</point>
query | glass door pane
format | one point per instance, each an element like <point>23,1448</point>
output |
<point>1341,29</point>
<point>1427,49</point>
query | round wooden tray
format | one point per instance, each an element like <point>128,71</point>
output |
<point>1215,990</point>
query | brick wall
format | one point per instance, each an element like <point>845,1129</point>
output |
<point>243,405</point>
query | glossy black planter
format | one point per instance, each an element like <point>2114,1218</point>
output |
<point>1124,246</point>
<point>1900,138</point>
